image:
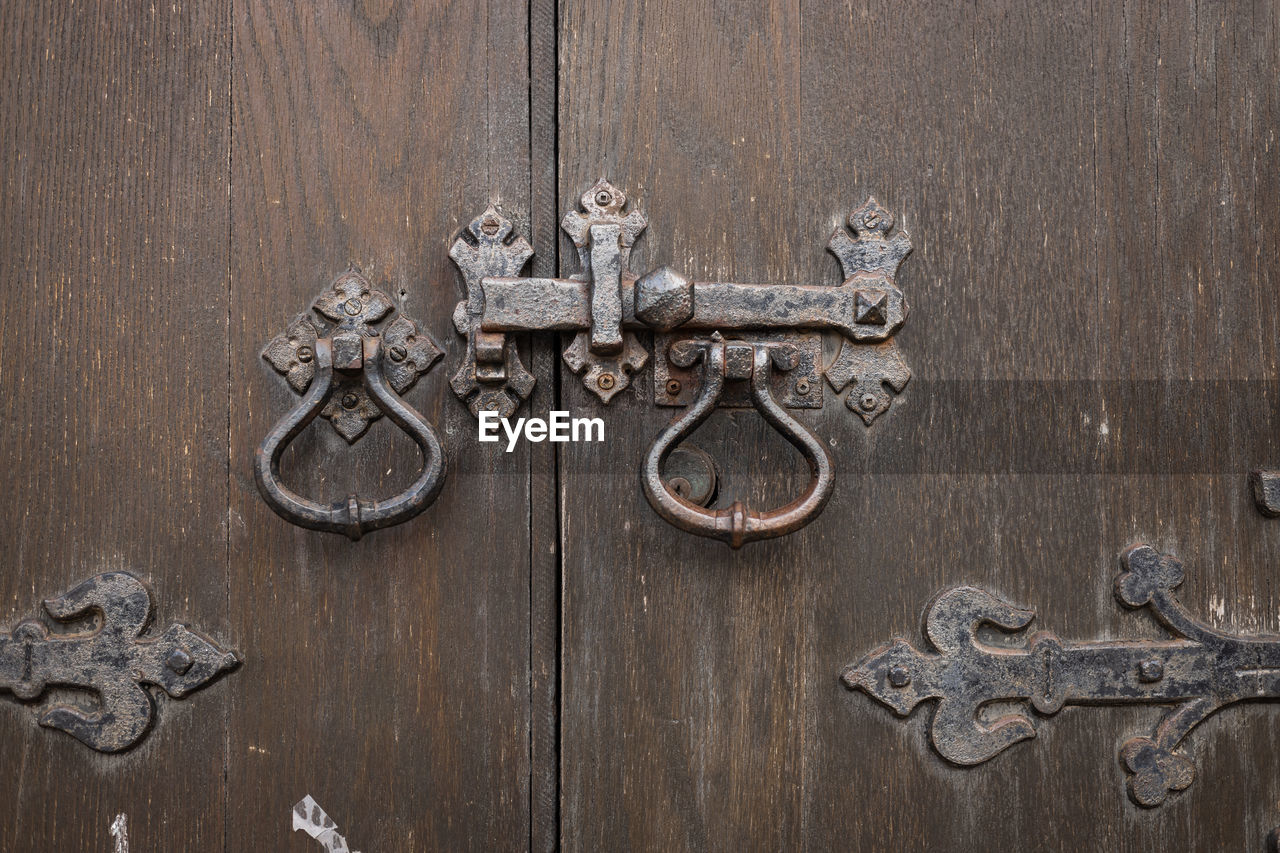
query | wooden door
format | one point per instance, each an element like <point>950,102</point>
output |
<point>1092,336</point>
<point>538,660</point>
<point>180,181</point>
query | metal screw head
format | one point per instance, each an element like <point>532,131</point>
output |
<point>489,226</point>
<point>872,219</point>
<point>604,198</point>
<point>802,387</point>
<point>352,306</point>
<point>899,675</point>
<point>673,387</point>
<point>305,354</point>
<point>867,402</point>
<point>398,353</point>
<point>179,661</point>
<point>350,400</point>
<point>1150,670</point>
<point>680,486</point>
<point>606,381</point>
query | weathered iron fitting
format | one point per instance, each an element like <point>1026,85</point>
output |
<point>605,305</point>
<point>1266,491</point>
<point>1195,672</point>
<point>736,525</point>
<point>351,372</point>
<point>113,661</point>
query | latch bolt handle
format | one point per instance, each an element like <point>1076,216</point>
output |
<point>737,524</point>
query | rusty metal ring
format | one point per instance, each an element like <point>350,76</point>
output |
<point>737,524</point>
<point>353,517</point>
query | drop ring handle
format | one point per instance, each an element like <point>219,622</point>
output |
<point>353,517</point>
<point>736,525</point>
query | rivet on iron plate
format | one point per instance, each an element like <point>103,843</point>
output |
<point>179,661</point>
<point>1151,670</point>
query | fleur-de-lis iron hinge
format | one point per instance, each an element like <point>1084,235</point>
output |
<point>757,344</point>
<point>1198,672</point>
<point>113,660</point>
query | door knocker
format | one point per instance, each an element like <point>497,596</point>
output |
<point>736,525</point>
<point>351,372</point>
<point>758,344</point>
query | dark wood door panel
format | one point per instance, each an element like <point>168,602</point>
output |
<point>388,678</point>
<point>113,229</point>
<point>1091,197</point>
<point>1085,190</point>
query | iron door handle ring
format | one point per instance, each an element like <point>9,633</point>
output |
<point>354,517</point>
<point>736,525</point>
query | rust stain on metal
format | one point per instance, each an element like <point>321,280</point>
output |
<point>491,377</point>
<point>605,301</point>
<point>355,310</point>
<point>786,387</point>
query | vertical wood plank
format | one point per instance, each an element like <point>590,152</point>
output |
<point>544,568</point>
<point>682,724</point>
<point>388,678</point>
<point>113,230</point>
<point>1189,244</point>
<point>983,142</point>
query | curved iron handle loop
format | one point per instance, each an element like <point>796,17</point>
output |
<point>354,517</point>
<point>737,524</point>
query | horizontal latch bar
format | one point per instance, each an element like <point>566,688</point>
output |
<point>867,307</point>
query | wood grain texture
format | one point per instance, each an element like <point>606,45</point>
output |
<point>1088,193</point>
<point>1191,247</point>
<point>544,567</point>
<point>113,230</point>
<point>388,678</point>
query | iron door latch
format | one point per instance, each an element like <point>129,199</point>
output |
<point>351,370</point>
<point>1198,671</point>
<point>113,661</point>
<point>749,340</point>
